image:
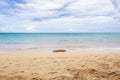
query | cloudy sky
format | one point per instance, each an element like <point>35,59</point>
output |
<point>59,15</point>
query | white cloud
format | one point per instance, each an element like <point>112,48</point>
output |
<point>30,29</point>
<point>70,30</point>
<point>78,8</point>
<point>42,5</point>
<point>91,8</point>
<point>50,14</point>
<point>85,20</point>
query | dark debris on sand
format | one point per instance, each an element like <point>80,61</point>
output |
<point>59,50</point>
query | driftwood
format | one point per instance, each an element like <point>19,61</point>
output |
<point>60,50</point>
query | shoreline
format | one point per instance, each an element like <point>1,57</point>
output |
<point>50,50</point>
<point>55,54</point>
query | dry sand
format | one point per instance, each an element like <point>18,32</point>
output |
<point>60,66</point>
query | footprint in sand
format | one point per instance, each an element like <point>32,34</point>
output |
<point>37,78</point>
<point>62,78</point>
<point>21,71</point>
<point>4,77</point>
<point>17,78</point>
<point>34,73</point>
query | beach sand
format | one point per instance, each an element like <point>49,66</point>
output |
<point>60,66</point>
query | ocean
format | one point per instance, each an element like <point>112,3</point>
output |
<point>47,42</point>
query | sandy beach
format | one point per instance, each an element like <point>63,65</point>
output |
<point>60,66</point>
<point>59,40</point>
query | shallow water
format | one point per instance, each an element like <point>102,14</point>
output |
<point>45,42</point>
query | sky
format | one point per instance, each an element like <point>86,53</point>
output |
<point>59,15</point>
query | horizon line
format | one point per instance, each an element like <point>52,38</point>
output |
<point>57,32</point>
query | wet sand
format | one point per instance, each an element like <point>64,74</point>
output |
<point>60,66</point>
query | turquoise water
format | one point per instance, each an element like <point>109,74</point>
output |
<point>10,42</point>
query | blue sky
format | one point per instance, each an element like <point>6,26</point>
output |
<point>59,15</point>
